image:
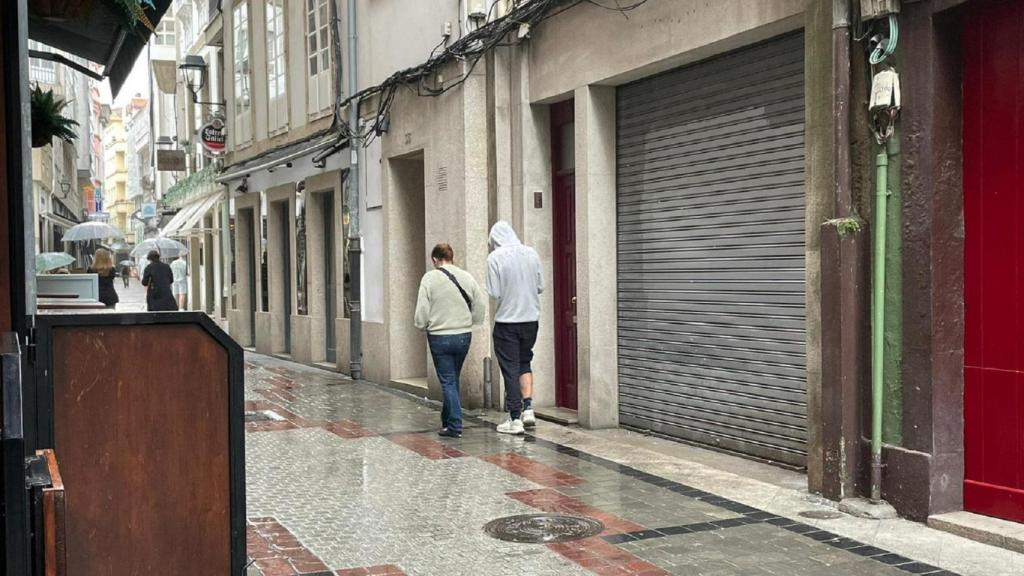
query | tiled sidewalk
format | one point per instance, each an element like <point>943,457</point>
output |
<point>350,478</point>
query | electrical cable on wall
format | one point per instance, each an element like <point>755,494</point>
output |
<point>469,48</point>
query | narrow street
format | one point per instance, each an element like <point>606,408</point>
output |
<point>132,298</point>
<point>351,478</point>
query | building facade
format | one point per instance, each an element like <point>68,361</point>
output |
<point>699,181</point>
<point>58,191</point>
<point>139,163</point>
<point>115,171</point>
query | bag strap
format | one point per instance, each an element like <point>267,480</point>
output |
<point>469,301</point>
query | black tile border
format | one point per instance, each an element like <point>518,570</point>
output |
<point>749,514</point>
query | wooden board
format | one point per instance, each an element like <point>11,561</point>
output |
<point>141,426</point>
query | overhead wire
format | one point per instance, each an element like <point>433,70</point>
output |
<point>469,49</point>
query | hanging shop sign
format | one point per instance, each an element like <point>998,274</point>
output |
<point>149,209</point>
<point>212,136</point>
<point>170,160</point>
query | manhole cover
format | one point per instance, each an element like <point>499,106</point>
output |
<point>821,514</point>
<point>542,528</point>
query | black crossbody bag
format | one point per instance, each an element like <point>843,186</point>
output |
<point>469,301</point>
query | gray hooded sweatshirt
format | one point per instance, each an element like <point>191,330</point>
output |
<point>514,277</point>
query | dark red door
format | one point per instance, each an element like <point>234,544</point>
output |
<point>563,208</point>
<point>993,152</point>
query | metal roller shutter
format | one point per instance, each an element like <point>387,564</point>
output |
<point>711,252</point>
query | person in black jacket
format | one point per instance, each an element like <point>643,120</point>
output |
<point>157,279</point>
<point>103,268</point>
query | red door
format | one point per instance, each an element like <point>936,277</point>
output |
<point>563,208</point>
<point>993,151</point>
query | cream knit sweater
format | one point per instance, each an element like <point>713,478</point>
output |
<point>440,308</point>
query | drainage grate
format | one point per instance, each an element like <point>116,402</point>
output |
<point>542,528</point>
<point>821,514</point>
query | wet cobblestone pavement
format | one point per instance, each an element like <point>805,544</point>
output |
<point>347,478</point>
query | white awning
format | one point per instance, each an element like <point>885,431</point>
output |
<point>186,219</point>
<point>58,219</point>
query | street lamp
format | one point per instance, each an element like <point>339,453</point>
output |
<point>193,74</point>
<point>65,189</point>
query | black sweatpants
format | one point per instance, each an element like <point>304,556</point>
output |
<point>513,345</point>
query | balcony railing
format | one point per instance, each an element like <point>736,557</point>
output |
<point>192,186</point>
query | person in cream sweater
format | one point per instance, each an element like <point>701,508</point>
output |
<point>449,304</point>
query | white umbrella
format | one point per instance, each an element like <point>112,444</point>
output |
<point>91,230</point>
<point>165,246</point>
<point>50,260</point>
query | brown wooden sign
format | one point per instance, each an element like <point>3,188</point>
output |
<point>170,160</point>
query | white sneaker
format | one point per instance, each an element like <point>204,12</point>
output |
<point>529,418</point>
<point>511,426</point>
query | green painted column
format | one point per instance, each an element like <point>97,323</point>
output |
<point>892,408</point>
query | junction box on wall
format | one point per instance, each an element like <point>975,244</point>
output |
<point>873,9</point>
<point>476,9</point>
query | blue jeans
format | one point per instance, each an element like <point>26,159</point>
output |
<point>449,352</point>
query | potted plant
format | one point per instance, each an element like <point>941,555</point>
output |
<point>47,121</point>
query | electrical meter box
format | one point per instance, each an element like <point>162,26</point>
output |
<point>872,9</point>
<point>476,9</point>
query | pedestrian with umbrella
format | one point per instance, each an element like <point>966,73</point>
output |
<point>126,272</point>
<point>167,248</point>
<point>92,230</point>
<point>157,278</point>
<point>103,268</point>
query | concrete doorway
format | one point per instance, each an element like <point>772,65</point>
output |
<point>245,270</point>
<point>280,274</point>
<point>407,263</point>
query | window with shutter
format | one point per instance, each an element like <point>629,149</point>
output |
<point>318,57</point>
<point>277,78</point>
<point>243,95</point>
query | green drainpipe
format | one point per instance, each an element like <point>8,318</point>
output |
<point>878,321</point>
<point>892,406</point>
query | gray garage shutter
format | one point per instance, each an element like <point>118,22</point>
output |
<point>711,252</point>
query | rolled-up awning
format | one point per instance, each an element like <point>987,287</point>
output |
<point>190,214</point>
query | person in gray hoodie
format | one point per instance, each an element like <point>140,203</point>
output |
<point>515,279</point>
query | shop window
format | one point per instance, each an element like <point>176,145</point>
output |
<point>301,268</point>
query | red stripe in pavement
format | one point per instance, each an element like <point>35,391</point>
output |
<point>342,428</point>
<point>606,559</point>
<point>594,554</point>
<point>269,426</point>
<point>425,446</point>
<point>347,429</point>
<point>548,500</point>
<point>540,473</point>
<point>382,570</point>
<point>277,552</point>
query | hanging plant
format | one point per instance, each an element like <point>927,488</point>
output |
<point>47,121</point>
<point>132,12</point>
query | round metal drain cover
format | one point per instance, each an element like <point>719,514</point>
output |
<point>821,514</point>
<point>542,528</point>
